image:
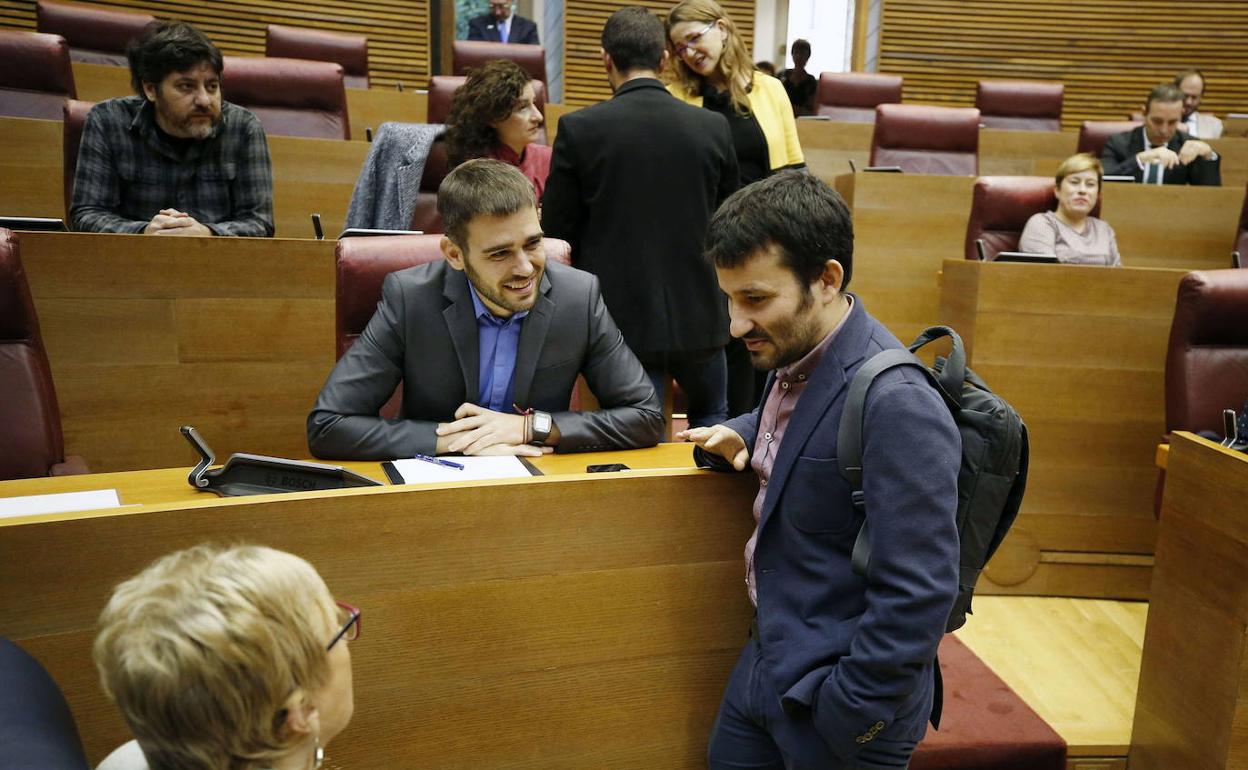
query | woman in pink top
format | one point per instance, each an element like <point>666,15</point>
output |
<point>494,115</point>
<point>1071,232</point>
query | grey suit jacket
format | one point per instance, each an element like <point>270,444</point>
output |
<point>425,333</point>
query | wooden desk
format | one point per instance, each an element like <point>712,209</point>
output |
<point>1074,661</point>
<point>309,175</point>
<point>558,622</point>
<point>234,336</point>
<point>906,225</point>
<point>1234,152</point>
<point>1080,353</point>
<point>1193,694</point>
<point>100,82</point>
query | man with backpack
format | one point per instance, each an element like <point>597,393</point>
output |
<point>839,670</point>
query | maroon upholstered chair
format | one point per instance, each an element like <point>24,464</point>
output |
<point>926,140</point>
<point>74,117</point>
<point>1000,208</point>
<point>351,51</point>
<point>853,96</point>
<point>1207,361</point>
<point>362,266</point>
<point>425,216</point>
<point>31,420</point>
<point>467,54</point>
<point>1094,133</point>
<point>95,35</point>
<point>35,75</point>
<point>442,89</point>
<point>291,97</point>
<point>1020,104</point>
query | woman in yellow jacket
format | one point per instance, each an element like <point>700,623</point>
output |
<point>712,69</point>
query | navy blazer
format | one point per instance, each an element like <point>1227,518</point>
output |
<point>485,27</point>
<point>1118,159</point>
<point>856,652</point>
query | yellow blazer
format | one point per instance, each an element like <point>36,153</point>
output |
<point>774,113</point>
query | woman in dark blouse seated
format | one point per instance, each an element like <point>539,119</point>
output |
<point>494,115</point>
<point>1071,232</point>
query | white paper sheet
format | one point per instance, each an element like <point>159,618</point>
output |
<point>30,505</point>
<point>475,469</point>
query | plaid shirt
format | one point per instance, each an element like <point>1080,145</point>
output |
<point>128,171</point>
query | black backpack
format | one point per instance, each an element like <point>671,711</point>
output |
<point>994,458</point>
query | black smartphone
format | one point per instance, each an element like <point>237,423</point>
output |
<point>606,468</point>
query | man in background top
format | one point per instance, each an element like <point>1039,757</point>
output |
<point>500,25</point>
<point>1198,125</point>
<point>633,183</point>
<point>1158,152</point>
<point>488,343</point>
<point>175,159</point>
<point>799,84</point>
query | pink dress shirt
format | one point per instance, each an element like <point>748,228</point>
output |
<point>534,164</point>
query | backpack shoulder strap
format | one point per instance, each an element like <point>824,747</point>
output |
<point>849,437</point>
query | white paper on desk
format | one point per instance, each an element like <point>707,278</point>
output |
<point>475,469</point>
<point>64,502</point>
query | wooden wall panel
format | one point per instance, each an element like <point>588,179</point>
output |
<point>398,30</point>
<point>583,77</point>
<point>1109,53</point>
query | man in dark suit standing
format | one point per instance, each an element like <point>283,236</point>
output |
<point>838,673</point>
<point>500,25</point>
<point>488,344</point>
<point>1158,152</point>
<point>633,183</point>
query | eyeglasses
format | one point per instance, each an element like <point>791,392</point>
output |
<point>693,39</point>
<point>350,630</point>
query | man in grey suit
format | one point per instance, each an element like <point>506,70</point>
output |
<point>488,344</point>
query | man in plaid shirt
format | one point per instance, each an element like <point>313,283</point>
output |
<point>175,159</point>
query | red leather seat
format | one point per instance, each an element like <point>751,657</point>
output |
<point>95,35</point>
<point>1094,133</point>
<point>442,90</point>
<point>351,51</point>
<point>35,75</point>
<point>467,54</point>
<point>74,117</point>
<point>926,140</point>
<point>1000,208</point>
<point>1020,104</point>
<point>29,416</point>
<point>1207,360</point>
<point>1241,237</point>
<point>362,266</point>
<point>425,216</point>
<point>853,96</point>
<point>291,97</point>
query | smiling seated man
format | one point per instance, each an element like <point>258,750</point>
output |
<point>1158,152</point>
<point>174,159</point>
<point>488,344</point>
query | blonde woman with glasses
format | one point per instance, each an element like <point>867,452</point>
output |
<point>227,659</point>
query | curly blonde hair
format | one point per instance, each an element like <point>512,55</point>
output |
<point>488,96</point>
<point>202,650</point>
<point>735,62</point>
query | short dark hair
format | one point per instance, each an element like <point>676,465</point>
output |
<point>801,44</point>
<point>1164,93</point>
<point>799,214</point>
<point>633,37</point>
<point>168,46</point>
<point>1185,74</point>
<point>481,187</point>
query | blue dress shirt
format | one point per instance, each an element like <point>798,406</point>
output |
<point>498,339</point>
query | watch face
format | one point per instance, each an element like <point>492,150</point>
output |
<point>541,422</point>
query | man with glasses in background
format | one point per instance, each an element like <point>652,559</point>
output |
<point>500,25</point>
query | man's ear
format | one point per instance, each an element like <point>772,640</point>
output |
<point>453,255</point>
<point>667,58</point>
<point>149,91</point>
<point>832,278</point>
<point>606,60</point>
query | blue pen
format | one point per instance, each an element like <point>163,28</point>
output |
<point>440,461</point>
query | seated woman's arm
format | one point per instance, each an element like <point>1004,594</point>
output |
<point>1039,236</point>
